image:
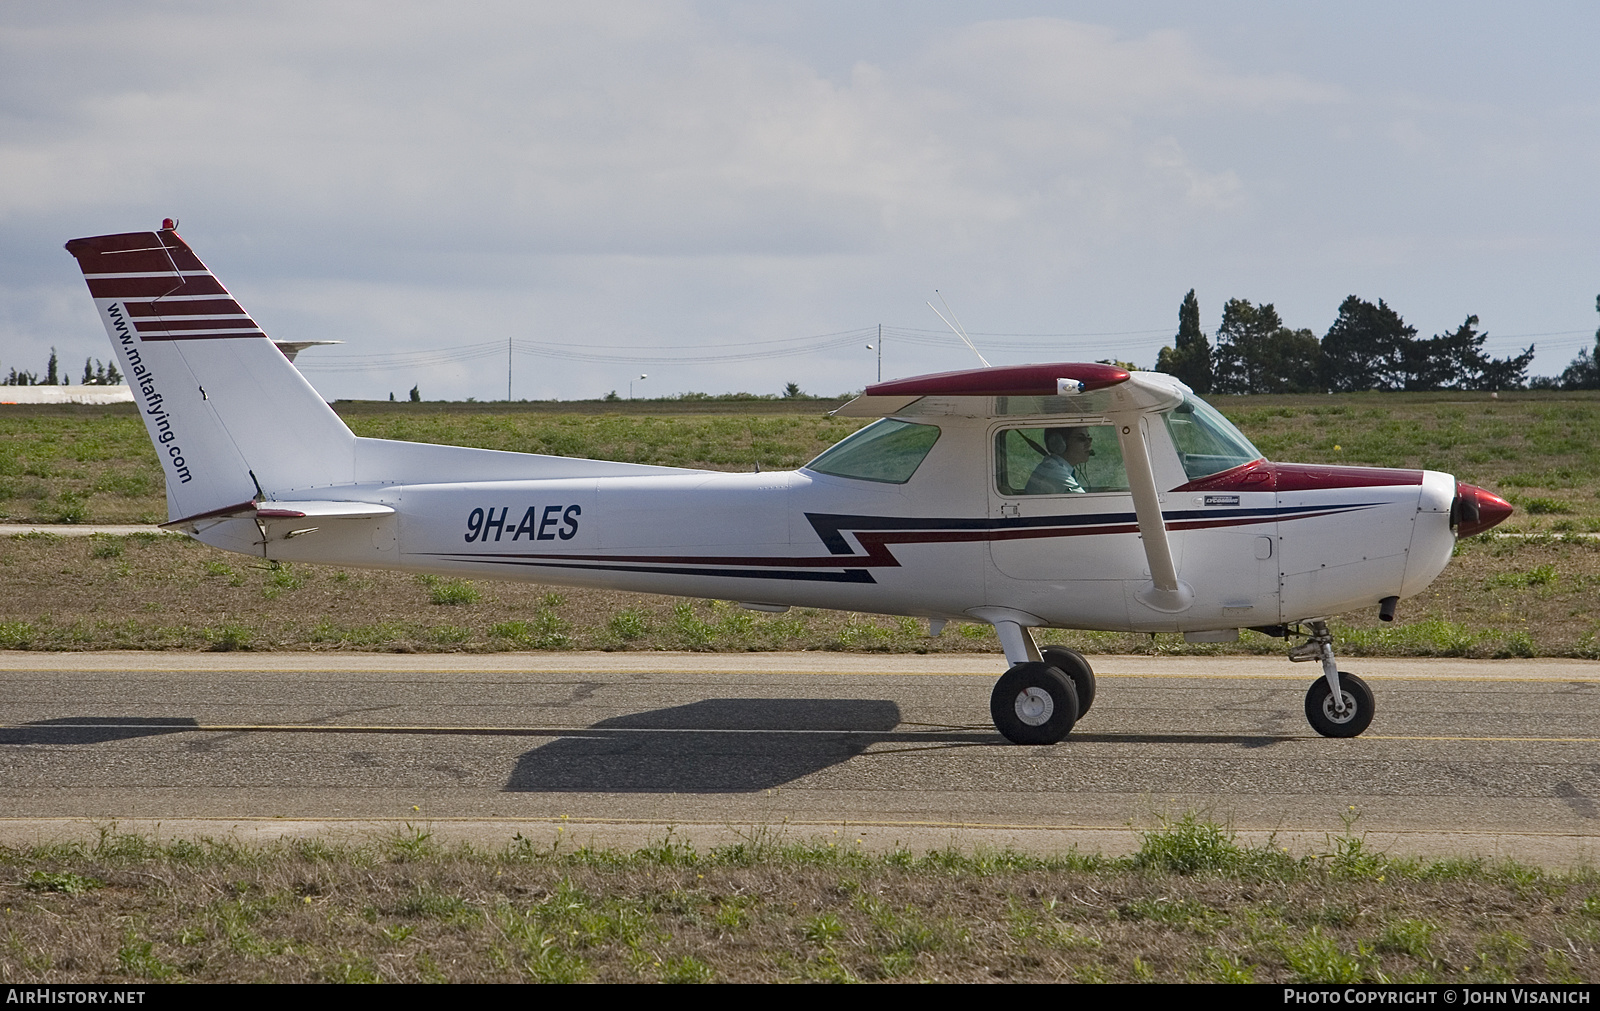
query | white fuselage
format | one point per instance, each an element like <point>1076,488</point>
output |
<point>944,544</point>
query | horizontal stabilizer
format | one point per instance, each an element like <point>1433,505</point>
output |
<point>322,510</point>
<point>284,511</point>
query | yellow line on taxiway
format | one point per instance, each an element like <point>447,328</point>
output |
<point>775,827</point>
<point>503,731</point>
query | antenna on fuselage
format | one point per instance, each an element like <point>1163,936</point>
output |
<point>956,326</point>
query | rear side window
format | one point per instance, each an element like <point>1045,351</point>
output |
<point>886,451</point>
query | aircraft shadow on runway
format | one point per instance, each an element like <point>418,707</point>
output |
<point>714,746</point>
<point>94,729</point>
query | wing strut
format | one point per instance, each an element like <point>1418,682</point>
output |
<point>1166,592</point>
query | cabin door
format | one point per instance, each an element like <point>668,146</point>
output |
<point>1061,520</point>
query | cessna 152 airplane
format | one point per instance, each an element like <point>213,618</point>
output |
<point>1030,496</point>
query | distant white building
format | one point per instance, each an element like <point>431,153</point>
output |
<point>66,395</point>
<point>111,394</point>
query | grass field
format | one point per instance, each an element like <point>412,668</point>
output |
<point>71,464</point>
<point>74,464</point>
<point>1527,596</point>
<point>1191,905</point>
<point>1501,597</point>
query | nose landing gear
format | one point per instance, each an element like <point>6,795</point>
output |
<point>1338,704</point>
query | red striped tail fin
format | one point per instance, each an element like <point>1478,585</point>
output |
<point>230,417</point>
<point>167,293</point>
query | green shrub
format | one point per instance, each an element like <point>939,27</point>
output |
<point>230,637</point>
<point>627,625</point>
<point>686,969</point>
<point>70,508</point>
<point>1316,958</point>
<point>1188,846</point>
<point>693,631</point>
<point>449,592</point>
<point>282,576</point>
<point>64,882</point>
<point>16,634</point>
<point>547,630</point>
<point>1409,937</point>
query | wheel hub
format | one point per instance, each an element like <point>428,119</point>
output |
<point>1342,713</point>
<point>1035,706</point>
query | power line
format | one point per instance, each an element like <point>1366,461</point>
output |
<point>563,351</point>
<point>1094,343</point>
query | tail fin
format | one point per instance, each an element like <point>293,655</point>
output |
<point>231,418</point>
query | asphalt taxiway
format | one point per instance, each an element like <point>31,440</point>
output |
<point>1481,757</point>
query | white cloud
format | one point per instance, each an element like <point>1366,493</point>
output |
<point>638,130</point>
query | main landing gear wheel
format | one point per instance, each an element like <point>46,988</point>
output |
<point>1034,703</point>
<point>1325,717</point>
<point>1071,663</point>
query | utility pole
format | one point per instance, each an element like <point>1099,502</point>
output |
<point>508,370</point>
<point>880,352</point>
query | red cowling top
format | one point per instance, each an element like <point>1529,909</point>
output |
<point>1002,381</point>
<point>1261,475</point>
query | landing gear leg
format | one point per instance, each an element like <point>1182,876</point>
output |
<point>1033,702</point>
<point>1338,704</point>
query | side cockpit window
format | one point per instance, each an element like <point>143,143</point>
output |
<point>886,451</point>
<point>1206,442</point>
<point>1058,460</point>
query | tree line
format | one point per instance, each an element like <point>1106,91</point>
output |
<point>95,373</point>
<point>1368,347</point>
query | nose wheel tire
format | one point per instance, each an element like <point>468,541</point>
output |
<point>1327,719</point>
<point>1071,663</point>
<point>1034,703</point>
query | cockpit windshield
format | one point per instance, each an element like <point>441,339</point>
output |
<point>887,451</point>
<point>1206,442</point>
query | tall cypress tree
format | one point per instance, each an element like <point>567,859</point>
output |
<point>1190,359</point>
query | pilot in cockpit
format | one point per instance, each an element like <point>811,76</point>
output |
<point>1069,449</point>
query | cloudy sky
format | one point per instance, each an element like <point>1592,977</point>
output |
<point>690,189</point>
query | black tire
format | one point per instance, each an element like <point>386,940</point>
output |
<point>1071,663</point>
<point>1033,703</point>
<point>1329,723</point>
